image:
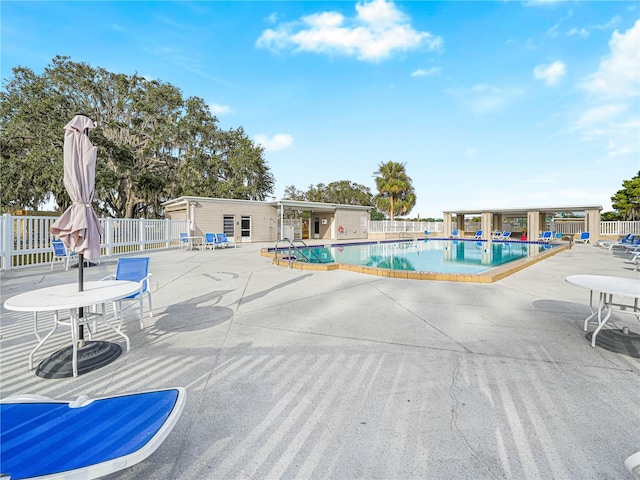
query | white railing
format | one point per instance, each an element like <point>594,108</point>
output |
<point>397,226</point>
<point>619,228</point>
<point>606,228</point>
<point>25,240</point>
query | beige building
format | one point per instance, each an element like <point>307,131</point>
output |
<point>254,221</point>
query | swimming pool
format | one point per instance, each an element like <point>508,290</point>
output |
<point>441,256</point>
<point>459,260</point>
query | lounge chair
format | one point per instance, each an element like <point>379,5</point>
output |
<point>223,242</point>
<point>60,252</point>
<point>626,239</point>
<point>545,236</point>
<point>497,235</point>
<point>478,235</point>
<point>632,463</point>
<point>634,241</point>
<point>455,234</point>
<point>86,438</point>
<point>584,238</point>
<point>209,240</point>
<point>135,269</point>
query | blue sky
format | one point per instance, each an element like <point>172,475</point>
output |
<point>489,104</point>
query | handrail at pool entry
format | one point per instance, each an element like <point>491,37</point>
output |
<point>292,246</point>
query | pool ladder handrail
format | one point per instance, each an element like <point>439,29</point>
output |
<point>292,246</point>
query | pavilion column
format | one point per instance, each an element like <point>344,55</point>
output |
<point>592,224</point>
<point>446,220</point>
<point>497,222</point>
<point>460,224</point>
<point>533,225</point>
<point>485,225</point>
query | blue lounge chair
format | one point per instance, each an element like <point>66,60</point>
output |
<point>545,236</point>
<point>632,242</point>
<point>478,234</point>
<point>223,242</point>
<point>584,238</point>
<point>626,239</point>
<point>99,436</point>
<point>60,252</point>
<point>455,234</point>
<point>135,269</point>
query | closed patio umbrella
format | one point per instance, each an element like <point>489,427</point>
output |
<point>79,228</point>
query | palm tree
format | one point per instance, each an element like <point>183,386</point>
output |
<point>396,194</point>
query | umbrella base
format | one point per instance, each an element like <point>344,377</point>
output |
<point>92,356</point>
<point>618,341</point>
<point>87,264</point>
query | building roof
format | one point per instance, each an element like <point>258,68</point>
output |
<point>318,206</point>
<point>523,210</point>
<point>293,204</point>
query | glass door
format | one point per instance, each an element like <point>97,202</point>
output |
<point>245,229</point>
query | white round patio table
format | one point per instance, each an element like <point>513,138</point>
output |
<point>606,287</point>
<point>67,297</point>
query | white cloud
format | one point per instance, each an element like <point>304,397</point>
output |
<point>611,114</point>
<point>575,32</point>
<point>426,73</point>
<point>483,99</point>
<point>540,3</point>
<point>219,109</point>
<point>279,141</point>
<point>377,31</point>
<point>551,74</point>
<point>619,72</point>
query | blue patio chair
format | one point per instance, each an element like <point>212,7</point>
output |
<point>584,238</point>
<point>545,237</point>
<point>209,240</point>
<point>455,233</point>
<point>134,269</point>
<point>104,435</point>
<point>184,241</point>
<point>223,242</point>
<point>478,235</point>
<point>60,253</point>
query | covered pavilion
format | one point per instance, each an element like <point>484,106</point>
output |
<point>491,219</point>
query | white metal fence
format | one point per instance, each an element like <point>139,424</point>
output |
<point>396,226</point>
<point>606,228</point>
<point>25,240</point>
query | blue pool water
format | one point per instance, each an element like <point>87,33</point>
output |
<point>435,256</point>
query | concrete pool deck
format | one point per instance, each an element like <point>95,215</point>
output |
<point>312,374</point>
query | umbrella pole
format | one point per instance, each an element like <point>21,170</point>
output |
<point>81,309</point>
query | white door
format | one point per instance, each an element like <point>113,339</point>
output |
<point>245,229</point>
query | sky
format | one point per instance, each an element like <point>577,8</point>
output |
<point>489,104</point>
